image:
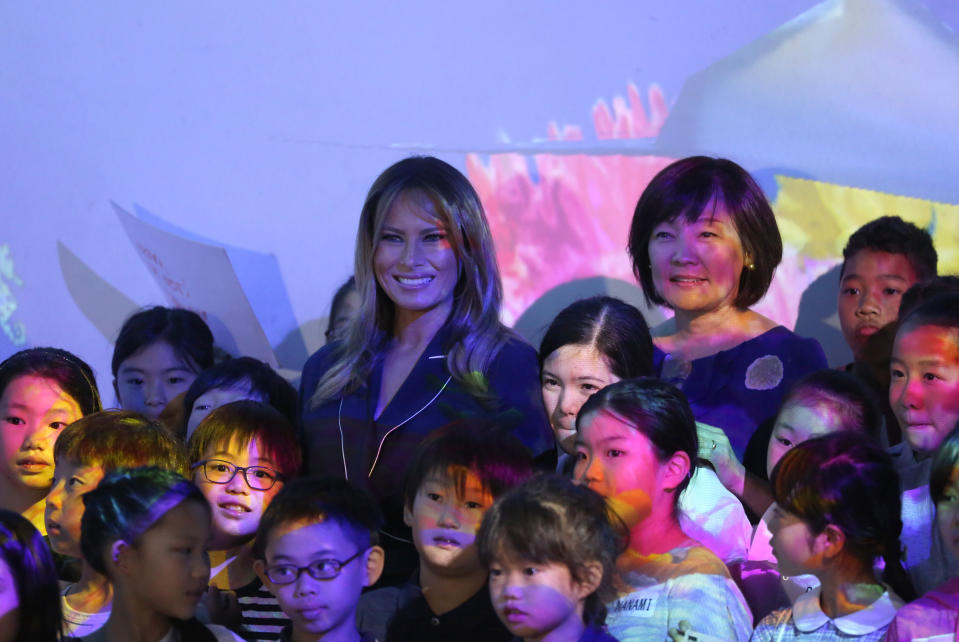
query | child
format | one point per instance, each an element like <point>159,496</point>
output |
<point>924,394</point>
<point>343,309</point>
<point>600,340</point>
<point>241,455</point>
<point>29,594</point>
<point>146,530</point>
<point>42,390</point>
<point>157,355</point>
<point>636,441</point>
<point>551,552</point>
<point>881,261</point>
<point>935,616</point>
<point>455,475</point>
<point>86,451</point>
<point>316,550</point>
<point>825,402</point>
<point>235,380</point>
<point>837,511</point>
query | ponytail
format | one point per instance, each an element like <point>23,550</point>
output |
<point>894,575</point>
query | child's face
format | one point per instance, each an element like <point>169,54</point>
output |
<point>318,606</point>
<point>869,293</point>
<point>167,571</point>
<point>147,380</point>
<point>613,458</point>
<point>795,424</point>
<point>571,375</point>
<point>33,411</point>
<point>947,513</point>
<point>71,481</point>
<point>537,600</point>
<point>445,523</point>
<point>924,384</point>
<point>216,397</point>
<point>797,550</point>
<point>237,507</point>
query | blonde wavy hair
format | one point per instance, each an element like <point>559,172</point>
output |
<point>476,334</point>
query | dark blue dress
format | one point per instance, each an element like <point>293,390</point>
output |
<point>341,437</point>
<point>739,388</point>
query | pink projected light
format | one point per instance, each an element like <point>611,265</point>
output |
<point>557,218</point>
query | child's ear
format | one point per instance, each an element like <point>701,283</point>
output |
<point>831,541</point>
<point>675,470</point>
<point>591,576</point>
<point>259,567</point>
<point>119,556</point>
<point>375,558</point>
<point>407,514</point>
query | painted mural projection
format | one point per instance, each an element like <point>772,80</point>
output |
<point>557,218</point>
<point>14,331</point>
<point>560,217</point>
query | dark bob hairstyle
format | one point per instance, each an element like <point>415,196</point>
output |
<point>689,187</point>
<point>184,330</point>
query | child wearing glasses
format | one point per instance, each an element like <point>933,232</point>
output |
<point>86,451</point>
<point>241,455</point>
<point>316,550</point>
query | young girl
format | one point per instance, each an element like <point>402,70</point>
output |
<point>837,511</point>
<point>924,395</point>
<point>29,592</point>
<point>635,445</point>
<point>598,341</point>
<point>157,355</point>
<point>551,553</point>
<point>146,529</point>
<point>42,390</point>
<point>825,402</point>
<point>241,455</point>
<point>935,616</point>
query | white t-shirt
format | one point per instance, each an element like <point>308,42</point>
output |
<point>714,517</point>
<point>79,624</point>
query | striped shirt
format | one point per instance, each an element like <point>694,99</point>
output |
<point>261,615</point>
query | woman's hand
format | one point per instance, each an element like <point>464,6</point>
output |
<point>714,447</point>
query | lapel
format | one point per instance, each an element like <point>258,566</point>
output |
<point>425,380</point>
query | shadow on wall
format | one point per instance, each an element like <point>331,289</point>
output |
<point>818,317</point>
<point>532,324</point>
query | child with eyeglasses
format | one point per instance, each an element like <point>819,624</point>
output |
<point>241,455</point>
<point>316,550</point>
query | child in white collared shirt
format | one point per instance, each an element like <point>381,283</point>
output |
<point>837,511</point>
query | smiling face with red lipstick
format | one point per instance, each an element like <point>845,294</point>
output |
<point>414,263</point>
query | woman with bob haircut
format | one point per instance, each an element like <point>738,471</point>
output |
<point>704,243</point>
<point>425,348</point>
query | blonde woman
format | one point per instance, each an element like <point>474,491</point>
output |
<point>426,347</point>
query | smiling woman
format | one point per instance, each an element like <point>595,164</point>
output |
<point>425,348</point>
<point>704,242</point>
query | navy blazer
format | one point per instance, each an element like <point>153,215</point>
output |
<point>341,437</point>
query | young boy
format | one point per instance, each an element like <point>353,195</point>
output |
<point>235,380</point>
<point>241,454</point>
<point>881,260</point>
<point>85,451</point>
<point>315,550</point>
<point>455,475</point>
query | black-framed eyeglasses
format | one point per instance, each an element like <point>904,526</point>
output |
<point>325,569</point>
<point>218,471</point>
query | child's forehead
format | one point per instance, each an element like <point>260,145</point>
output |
<point>240,446</point>
<point>459,478</point>
<point>927,339</point>
<point>309,537</point>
